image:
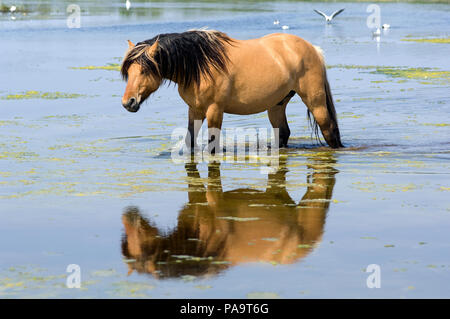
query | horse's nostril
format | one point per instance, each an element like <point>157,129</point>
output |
<point>129,103</point>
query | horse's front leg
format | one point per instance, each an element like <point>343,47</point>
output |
<point>214,116</point>
<point>195,122</point>
<point>277,117</point>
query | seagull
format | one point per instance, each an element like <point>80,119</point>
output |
<point>386,26</point>
<point>329,18</point>
<point>12,9</point>
<point>128,4</point>
<point>285,27</point>
<point>276,22</point>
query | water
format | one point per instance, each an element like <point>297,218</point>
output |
<point>82,181</point>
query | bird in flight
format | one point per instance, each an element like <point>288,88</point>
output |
<point>329,18</point>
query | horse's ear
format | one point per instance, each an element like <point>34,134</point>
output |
<point>152,49</point>
<point>130,44</point>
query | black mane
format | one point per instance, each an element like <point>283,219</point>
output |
<point>181,57</point>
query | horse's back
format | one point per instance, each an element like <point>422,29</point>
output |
<point>263,71</point>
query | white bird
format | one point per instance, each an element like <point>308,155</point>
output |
<point>285,27</point>
<point>128,4</point>
<point>329,18</point>
<point>276,22</point>
<point>377,32</point>
<point>12,9</point>
<point>385,26</point>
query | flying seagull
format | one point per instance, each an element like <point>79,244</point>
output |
<point>329,18</point>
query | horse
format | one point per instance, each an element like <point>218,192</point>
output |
<point>217,74</point>
<point>220,229</point>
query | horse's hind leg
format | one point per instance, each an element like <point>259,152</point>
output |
<point>314,92</point>
<point>277,117</point>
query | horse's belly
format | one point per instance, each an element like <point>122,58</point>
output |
<point>255,101</point>
<point>245,109</point>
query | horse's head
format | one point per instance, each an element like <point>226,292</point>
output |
<point>140,71</point>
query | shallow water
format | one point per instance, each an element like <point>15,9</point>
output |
<point>82,181</point>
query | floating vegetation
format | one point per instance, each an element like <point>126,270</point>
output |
<point>437,124</point>
<point>16,9</point>
<point>414,73</point>
<point>131,289</point>
<point>262,295</point>
<point>104,273</point>
<point>42,95</point>
<point>108,67</point>
<point>429,40</point>
<point>349,115</point>
<point>432,75</point>
<point>203,287</point>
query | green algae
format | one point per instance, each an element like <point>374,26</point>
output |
<point>203,287</point>
<point>422,73</point>
<point>108,67</point>
<point>19,9</point>
<point>428,40</point>
<point>437,124</point>
<point>263,295</point>
<point>42,95</point>
<point>432,75</point>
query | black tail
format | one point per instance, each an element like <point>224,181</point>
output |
<point>331,109</point>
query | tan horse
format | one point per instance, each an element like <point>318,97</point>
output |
<point>217,74</point>
<point>219,229</point>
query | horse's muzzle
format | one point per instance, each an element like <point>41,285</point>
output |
<point>131,105</point>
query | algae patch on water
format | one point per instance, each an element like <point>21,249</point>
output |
<point>433,75</point>
<point>41,95</point>
<point>429,40</point>
<point>108,67</point>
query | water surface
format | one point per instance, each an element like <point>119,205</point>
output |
<point>82,181</point>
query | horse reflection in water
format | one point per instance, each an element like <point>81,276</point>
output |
<point>218,229</point>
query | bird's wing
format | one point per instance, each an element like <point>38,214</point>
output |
<point>336,13</point>
<point>321,13</point>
